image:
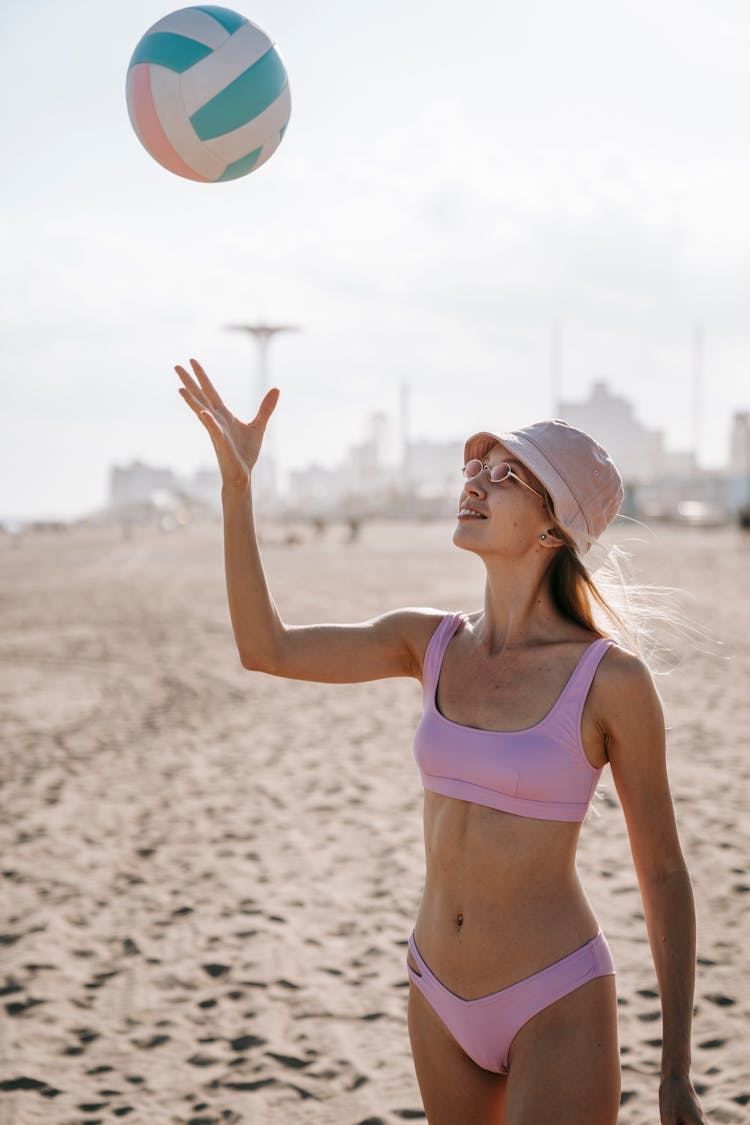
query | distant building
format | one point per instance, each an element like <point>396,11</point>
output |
<point>428,484</point>
<point>433,468</point>
<point>313,491</point>
<point>139,492</point>
<point>431,480</point>
<point>136,483</point>
<point>739,460</point>
<point>739,444</point>
<point>204,487</point>
<point>610,419</point>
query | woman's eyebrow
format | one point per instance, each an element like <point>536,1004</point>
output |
<point>510,461</point>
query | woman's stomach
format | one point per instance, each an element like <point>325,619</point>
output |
<point>502,898</point>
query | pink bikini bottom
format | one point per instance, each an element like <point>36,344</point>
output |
<point>486,1027</point>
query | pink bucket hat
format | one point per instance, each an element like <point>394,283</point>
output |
<point>581,478</point>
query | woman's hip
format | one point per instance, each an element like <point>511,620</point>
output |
<point>486,1025</point>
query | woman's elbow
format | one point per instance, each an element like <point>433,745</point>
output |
<point>255,663</point>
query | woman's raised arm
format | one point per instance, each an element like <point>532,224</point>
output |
<point>389,645</point>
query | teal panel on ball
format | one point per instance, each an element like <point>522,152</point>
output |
<point>282,130</point>
<point>242,100</point>
<point>240,167</point>
<point>175,52</point>
<point>228,19</point>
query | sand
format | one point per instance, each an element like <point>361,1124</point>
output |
<point>209,875</point>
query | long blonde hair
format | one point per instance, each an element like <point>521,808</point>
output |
<point>642,617</point>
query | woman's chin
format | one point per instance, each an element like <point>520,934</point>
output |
<point>461,539</point>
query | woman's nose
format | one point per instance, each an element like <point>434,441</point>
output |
<point>477,485</point>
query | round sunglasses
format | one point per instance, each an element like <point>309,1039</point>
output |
<point>497,474</point>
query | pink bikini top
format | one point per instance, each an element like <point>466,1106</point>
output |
<point>539,772</point>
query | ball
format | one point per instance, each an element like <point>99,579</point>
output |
<point>208,94</point>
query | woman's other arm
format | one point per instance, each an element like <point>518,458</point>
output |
<point>636,746</point>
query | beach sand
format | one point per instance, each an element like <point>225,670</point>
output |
<point>209,875</point>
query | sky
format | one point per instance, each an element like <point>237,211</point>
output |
<point>454,180</point>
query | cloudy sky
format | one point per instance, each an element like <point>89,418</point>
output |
<point>454,180</point>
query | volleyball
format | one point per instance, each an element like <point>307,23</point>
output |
<point>208,94</point>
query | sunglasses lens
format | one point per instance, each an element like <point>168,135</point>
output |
<point>499,472</point>
<point>471,468</point>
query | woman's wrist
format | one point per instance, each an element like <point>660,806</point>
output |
<point>672,1074</point>
<point>234,492</point>
<point>675,1060</point>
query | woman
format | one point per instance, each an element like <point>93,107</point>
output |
<point>512,1009</point>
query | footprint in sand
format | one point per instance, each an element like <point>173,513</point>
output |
<point>153,1041</point>
<point>18,1007</point>
<point>216,970</point>
<point>202,1060</point>
<point>719,998</point>
<point>23,1083</point>
<point>245,1042</point>
<point>289,1060</point>
<point>257,1085</point>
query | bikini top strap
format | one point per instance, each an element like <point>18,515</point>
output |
<point>577,687</point>
<point>438,643</point>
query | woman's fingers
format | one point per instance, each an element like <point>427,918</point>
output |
<point>191,385</point>
<point>195,403</point>
<point>268,405</point>
<point>206,414</point>
<point>209,390</point>
<point>204,392</point>
<point>208,418</point>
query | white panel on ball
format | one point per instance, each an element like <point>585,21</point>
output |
<point>214,73</point>
<point>193,24</point>
<point>167,95</point>
<point>232,146</point>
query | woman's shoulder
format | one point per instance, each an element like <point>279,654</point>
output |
<point>622,674</point>
<point>420,623</point>
<point>426,620</point>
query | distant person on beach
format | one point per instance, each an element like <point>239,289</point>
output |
<point>512,1010</point>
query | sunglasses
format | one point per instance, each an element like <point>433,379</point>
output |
<point>497,474</point>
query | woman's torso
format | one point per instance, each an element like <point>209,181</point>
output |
<point>502,898</point>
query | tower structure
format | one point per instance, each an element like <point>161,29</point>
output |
<point>697,358</point>
<point>262,334</point>
<point>555,367</point>
<point>404,403</point>
<point>265,481</point>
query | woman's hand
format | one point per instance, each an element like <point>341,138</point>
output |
<point>237,444</point>
<point>678,1103</point>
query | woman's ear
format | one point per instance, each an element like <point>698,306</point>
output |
<point>557,539</point>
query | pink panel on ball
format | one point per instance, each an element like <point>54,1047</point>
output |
<point>149,128</point>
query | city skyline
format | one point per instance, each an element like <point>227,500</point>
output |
<point>393,434</point>
<point>390,473</point>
